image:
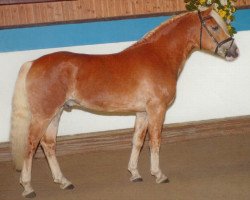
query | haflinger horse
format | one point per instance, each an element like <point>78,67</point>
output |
<point>140,79</point>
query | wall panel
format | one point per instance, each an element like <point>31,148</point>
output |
<point>82,10</point>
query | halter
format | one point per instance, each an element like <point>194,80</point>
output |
<point>203,25</point>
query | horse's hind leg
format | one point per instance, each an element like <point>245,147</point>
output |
<point>141,125</point>
<point>36,131</point>
<point>156,114</point>
<point>48,143</point>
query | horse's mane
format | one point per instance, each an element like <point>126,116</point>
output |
<point>153,32</point>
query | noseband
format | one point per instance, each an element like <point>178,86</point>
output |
<point>203,25</point>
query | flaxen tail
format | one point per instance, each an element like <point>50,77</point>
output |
<point>20,118</point>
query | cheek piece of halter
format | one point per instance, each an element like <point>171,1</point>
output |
<point>219,44</point>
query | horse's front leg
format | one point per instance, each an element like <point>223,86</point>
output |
<point>156,115</point>
<point>141,125</point>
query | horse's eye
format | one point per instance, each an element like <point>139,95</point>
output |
<point>215,28</point>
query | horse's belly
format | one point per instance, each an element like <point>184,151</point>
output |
<point>111,101</point>
<point>115,104</point>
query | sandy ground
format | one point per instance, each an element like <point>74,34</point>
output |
<point>208,169</point>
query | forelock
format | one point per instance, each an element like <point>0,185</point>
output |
<point>219,21</point>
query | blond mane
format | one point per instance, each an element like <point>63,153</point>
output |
<point>151,33</point>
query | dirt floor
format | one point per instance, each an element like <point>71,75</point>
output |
<point>208,169</point>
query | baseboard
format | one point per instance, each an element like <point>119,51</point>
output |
<point>121,139</point>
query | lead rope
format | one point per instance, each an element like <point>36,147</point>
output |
<point>201,28</point>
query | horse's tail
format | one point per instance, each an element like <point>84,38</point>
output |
<point>20,118</point>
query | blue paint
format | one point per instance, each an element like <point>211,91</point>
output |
<point>53,36</point>
<point>242,20</point>
<point>76,34</point>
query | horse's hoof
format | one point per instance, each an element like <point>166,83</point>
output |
<point>136,180</point>
<point>70,187</point>
<point>30,195</point>
<point>162,179</point>
<point>165,181</point>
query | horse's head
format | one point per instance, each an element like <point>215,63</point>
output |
<point>214,36</point>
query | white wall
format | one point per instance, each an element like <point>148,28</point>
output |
<point>208,88</point>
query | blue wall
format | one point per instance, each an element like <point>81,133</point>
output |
<point>52,36</point>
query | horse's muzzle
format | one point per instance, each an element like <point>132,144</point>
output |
<point>232,53</point>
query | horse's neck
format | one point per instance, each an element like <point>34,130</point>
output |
<point>175,40</point>
<point>180,39</point>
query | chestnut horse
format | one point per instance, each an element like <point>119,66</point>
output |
<point>140,79</point>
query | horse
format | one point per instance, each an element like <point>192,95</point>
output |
<point>140,79</point>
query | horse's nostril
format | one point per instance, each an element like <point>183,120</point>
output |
<point>228,53</point>
<point>233,53</point>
